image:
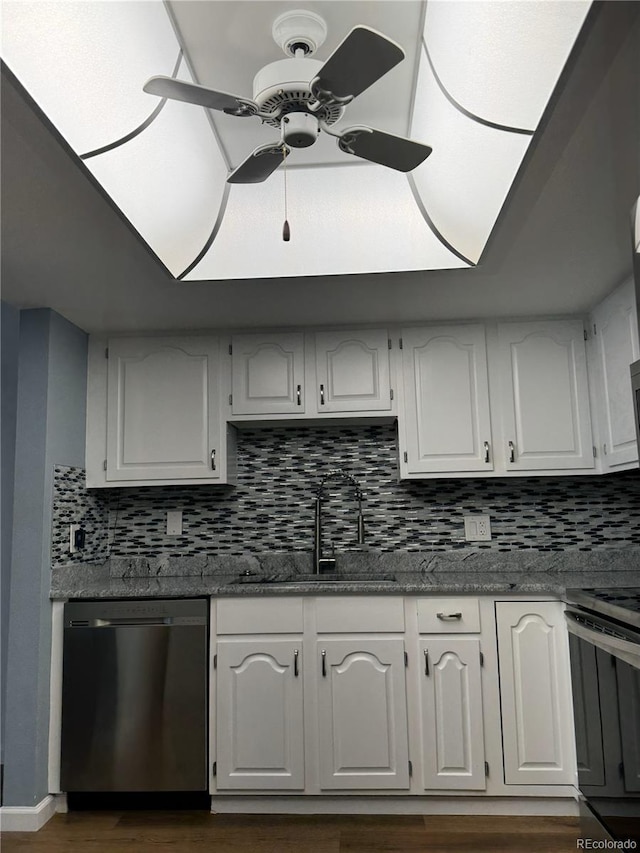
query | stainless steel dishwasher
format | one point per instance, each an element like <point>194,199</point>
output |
<point>134,696</point>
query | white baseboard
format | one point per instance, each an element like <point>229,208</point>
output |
<point>27,818</point>
<point>547,806</point>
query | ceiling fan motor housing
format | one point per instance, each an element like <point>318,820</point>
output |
<point>300,130</point>
<point>282,87</point>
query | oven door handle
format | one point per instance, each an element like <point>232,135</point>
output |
<point>626,650</point>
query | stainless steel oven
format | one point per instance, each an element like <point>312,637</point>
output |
<point>604,642</point>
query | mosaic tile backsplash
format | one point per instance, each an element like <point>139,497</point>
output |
<point>272,506</point>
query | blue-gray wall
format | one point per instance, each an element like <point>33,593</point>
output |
<point>50,430</point>
<point>9,384</point>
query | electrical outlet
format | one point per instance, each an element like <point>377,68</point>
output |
<point>174,522</point>
<point>72,538</point>
<point>477,528</point>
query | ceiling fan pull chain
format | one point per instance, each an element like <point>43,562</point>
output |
<point>286,231</point>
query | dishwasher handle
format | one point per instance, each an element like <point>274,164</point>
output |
<point>137,622</point>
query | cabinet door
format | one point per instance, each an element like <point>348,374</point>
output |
<point>615,340</point>
<point>163,409</point>
<point>259,726</point>
<point>451,714</point>
<point>352,370</point>
<point>535,693</point>
<point>362,712</point>
<point>446,399</point>
<point>545,396</point>
<point>267,374</point>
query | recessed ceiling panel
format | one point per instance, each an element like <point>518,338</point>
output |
<point>466,179</point>
<point>169,181</point>
<point>345,220</point>
<point>501,60</point>
<point>85,62</point>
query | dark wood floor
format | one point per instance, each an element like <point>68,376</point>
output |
<point>197,832</point>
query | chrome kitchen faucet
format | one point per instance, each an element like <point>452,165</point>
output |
<point>327,563</point>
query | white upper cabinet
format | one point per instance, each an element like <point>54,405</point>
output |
<point>446,399</point>
<point>352,371</point>
<point>613,347</point>
<point>162,417</point>
<point>544,396</point>
<point>267,374</point>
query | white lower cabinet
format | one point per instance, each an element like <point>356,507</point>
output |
<point>362,714</point>
<point>451,714</point>
<point>259,720</point>
<point>403,695</point>
<point>535,693</point>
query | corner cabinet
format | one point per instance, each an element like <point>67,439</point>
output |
<point>535,693</point>
<point>544,392</point>
<point>153,413</point>
<point>613,347</point>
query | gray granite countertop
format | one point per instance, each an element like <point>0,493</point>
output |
<point>364,571</point>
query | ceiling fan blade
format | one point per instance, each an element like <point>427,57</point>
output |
<point>362,57</point>
<point>259,164</point>
<point>397,152</point>
<point>192,93</point>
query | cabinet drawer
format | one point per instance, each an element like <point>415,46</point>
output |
<point>448,615</point>
<point>362,614</point>
<point>259,616</point>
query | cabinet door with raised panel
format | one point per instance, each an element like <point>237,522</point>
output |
<point>362,713</point>
<point>163,409</point>
<point>267,374</point>
<point>615,341</point>
<point>446,400</point>
<point>545,396</point>
<point>535,693</point>
<point>259,726</point>
<point>352,371</point>
<point>451,714</point>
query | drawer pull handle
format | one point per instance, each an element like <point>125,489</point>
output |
<point>299,395</point>
<point>322,395</point>
<point>449,617</point>
<point>486,451</point>
<point>324,663</point>
<point>512,452</point>
<point>426,662</point>
<point>213,460</point>
<point>295,662</point>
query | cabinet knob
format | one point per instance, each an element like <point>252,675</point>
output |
<point>299,395</point>
<point>512,452</point>
<point>486,451</point>
<point>213,460</point>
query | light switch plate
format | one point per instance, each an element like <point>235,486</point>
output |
<point>477,528</point>
<point>174,522</point>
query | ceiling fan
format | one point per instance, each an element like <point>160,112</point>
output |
<point>303,96</point>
